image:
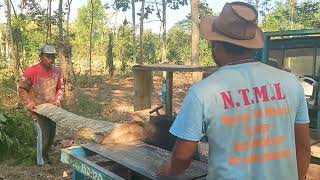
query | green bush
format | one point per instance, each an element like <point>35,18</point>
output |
<point>17,135</point>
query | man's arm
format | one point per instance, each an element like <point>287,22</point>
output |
<point>302,138</point>
<point>23,91</point>
<point>181,158</point>
<point>59,92</point>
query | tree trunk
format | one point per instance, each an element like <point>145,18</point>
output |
<point>292,4</point>
<point>257,5</point>
<point>48,38</point>
<point>66,66</point>
<point>14,55</point>
<point>164,31</point>
<point>141,32</point>
<point>109,63</point>
<point>134,29</point>
<point>195,36</point>
<point>14,10</point>
<point>91,30</point>
<point>68,18</point>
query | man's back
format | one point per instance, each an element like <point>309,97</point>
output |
<point>248,111</point>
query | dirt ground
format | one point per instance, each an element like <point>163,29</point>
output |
<point>115,103</point>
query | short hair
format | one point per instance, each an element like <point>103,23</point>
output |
<point>234,49</point>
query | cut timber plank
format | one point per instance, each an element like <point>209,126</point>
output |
<point>73,121</point>
<point>144,159</point>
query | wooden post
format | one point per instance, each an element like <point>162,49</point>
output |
<point>169,93</point>
<point>142,89</point>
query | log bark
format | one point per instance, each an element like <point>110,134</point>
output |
<point>73,121</point>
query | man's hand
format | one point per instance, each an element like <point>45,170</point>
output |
<point>181,158</point>
<point>57,103</point>
<point>31,106</point>
<point>164,169</point>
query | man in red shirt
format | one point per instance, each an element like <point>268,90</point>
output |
<point>42,83</point>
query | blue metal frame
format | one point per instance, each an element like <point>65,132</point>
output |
<point>82,167</point>
<point>290,39</point>
<point>293,39</point>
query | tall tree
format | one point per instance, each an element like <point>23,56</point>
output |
<point>90,38</point>
<point>140,61</point>
<point>173,4</point>
<point>109,62</point>
<point>262,6</point>
<point>195,37</point>
<point>149,9</point>
<point>134,28</point>
<point>81,34</point>
<point>68,18</point>
<point>64,52</point>
<point>292,4</point>
<point>14,55</point>
<point>195,32</point>
<point>164,31</point>
<point>48,38</point>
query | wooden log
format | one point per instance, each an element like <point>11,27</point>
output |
<point>73,121</point>
<point>142,89</point>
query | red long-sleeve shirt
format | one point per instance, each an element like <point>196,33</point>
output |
<point>40,86</point>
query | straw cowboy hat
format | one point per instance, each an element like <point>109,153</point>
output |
<point>236,24</point>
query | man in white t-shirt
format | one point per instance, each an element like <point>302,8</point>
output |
<point>255,116</point>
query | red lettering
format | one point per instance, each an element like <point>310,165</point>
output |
<point>261,93</point>
<point>280,96</point>
<point>227,100</point>
<point>244,93</point>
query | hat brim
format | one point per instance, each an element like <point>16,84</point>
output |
<point>208,30</point>
<point>55,53</point>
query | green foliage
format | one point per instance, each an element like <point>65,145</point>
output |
<point>17,135</point>
<point>278,19</point>
<point>29,31</point>
<point>86,81</point>
<point>309,14</point>
<point>124,51</point>
<point>30,38</point>
<point>88,107</point>
<point>205,53</point>
<point>179,46</point>
<point>306,17</point>
<point>262,6</point>
<point>204,10</point>
<point>151,48</point>
<point>80,40</point>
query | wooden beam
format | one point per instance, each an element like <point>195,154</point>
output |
<point>142,89</point>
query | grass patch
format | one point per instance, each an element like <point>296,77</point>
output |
<point>88,107</point>
<point>89,80</point>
